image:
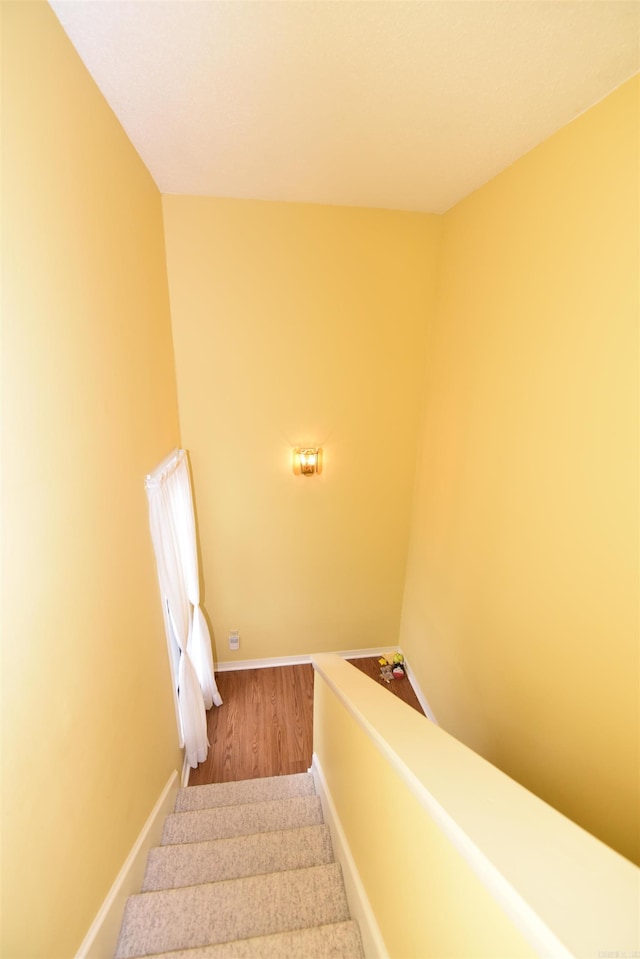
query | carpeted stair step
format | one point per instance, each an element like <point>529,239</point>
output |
<point>244,791</point>
<point>191,863</point>
<point>340,940</point>
<point>225,821</point>
<point>172,919</point>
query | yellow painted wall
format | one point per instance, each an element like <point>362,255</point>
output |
<point>520,615</point>
<point>88,726</point>
<point>300,324</point>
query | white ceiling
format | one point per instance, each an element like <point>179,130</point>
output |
<point>378,103</point>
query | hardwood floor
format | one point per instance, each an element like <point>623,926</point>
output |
<point>263,728</point>
<point>265,724</point>
<point>401,688</point>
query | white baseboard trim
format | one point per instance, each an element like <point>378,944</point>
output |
<point>422,699</point>
<point>231,665</point>
<point>101,940</point>
<point>364,653</point>
<point>359,905</point>
<point>186,770</point>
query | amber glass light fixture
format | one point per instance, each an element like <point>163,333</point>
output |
<point>307,460</point>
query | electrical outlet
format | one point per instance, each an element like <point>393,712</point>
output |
<point>234,639</point>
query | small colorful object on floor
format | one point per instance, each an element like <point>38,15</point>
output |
<point>386,670</point>
<point>391,667</point>
<point>398,666</point>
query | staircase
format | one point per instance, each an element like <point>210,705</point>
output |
<point>245,871</point>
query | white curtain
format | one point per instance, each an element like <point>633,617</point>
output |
<point>173,532</point>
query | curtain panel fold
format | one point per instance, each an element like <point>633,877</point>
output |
<point>173,533</point>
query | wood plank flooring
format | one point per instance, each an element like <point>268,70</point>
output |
<point>401,688</point>
<point>263,728</point>
<point>265,724</point>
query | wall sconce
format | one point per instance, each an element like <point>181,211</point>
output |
<point>307,460</point>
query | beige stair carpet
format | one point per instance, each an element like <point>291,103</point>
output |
<point>337,941</point>
<point>244,870</point>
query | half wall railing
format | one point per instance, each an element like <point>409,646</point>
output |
<point>448,855</point>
